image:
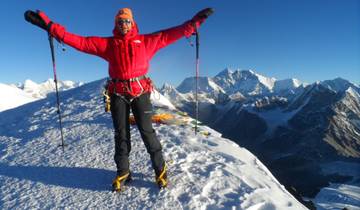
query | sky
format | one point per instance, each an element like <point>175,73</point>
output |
<point>311,40</point>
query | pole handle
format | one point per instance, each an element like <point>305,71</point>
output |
<point>35,19</point>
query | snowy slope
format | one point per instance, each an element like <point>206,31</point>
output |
<point>339,196</point>
<point>205,172</point>
<point>12,97</point>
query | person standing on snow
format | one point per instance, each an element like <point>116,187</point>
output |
<point>128,54</point>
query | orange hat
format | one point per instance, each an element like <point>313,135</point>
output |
<point>124,13</point>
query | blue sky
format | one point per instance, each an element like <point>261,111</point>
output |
<point>306,39</point>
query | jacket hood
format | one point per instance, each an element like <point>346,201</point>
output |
<point>134,31</point>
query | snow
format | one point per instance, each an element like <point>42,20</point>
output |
<point>12,97</point>
<point>170,92</point>
<point>338,196</point>
<point>251,83</point>
<point>205,172</point>
<point>286,84</point>
<point>160,101</point>
<point>274,118</point>
<point>227,72</point>
<point>246,81</point>
<point>15,95</point>
<point>42,89</point>
<point>237,96</point>
<point>268,82</point>
<point>205,84</point>
<point>353,93</point>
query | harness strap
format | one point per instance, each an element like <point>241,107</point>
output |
<point>128,87</point>
<point>115,80</point>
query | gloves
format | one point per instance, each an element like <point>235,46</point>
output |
<point>202,15</point>
<point>41,20</point>
<point>38,18</point>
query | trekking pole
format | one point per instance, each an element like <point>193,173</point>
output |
<point>197,79</point>
<point>36,19</point>
<point>51,42</point>
<point>203,14</point>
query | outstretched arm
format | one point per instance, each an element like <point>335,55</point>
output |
<point>92,45</point>
<point>158,40</point>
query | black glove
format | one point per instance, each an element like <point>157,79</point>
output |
<point>202,15</point>
<point>38,18</point>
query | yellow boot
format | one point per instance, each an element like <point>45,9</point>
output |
<point>162,180</point>
<point>119,181</point>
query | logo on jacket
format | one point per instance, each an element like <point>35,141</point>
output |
<point>137,41</point>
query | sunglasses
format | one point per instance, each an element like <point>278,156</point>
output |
<point>122,21</point>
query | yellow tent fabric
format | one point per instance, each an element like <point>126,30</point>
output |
<point>162,118</point>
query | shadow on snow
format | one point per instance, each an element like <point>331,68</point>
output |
<point>93,179</point>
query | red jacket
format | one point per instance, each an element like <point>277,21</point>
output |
<point>128,55</point>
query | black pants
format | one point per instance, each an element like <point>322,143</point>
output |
<point>142,111</point>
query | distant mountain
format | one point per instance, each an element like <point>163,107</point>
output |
<point>238,85</point>
<point>14,95</point>
<point>293,127</point>
<point>208,90</point>
<point>246,81</point>
<point>42,89</point>
<point>172,93</point>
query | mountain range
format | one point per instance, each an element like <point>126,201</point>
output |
<point>14,95</point>
<point>293,127</point>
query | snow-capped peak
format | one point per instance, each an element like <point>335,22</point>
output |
<point>246,81</point>
<point>40,90</point>
<point>226,72</point>
<point>29,84</point>
<point>205,85</point>
<point>166,86</point>
<point>296,82</point>
<point>268,82</point>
